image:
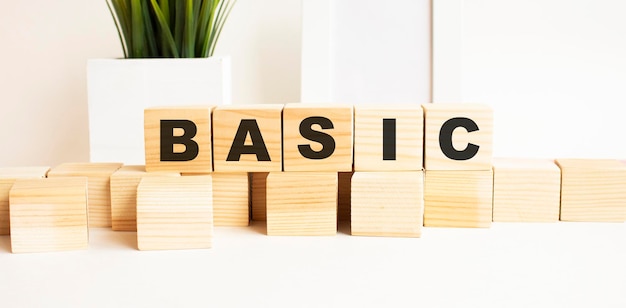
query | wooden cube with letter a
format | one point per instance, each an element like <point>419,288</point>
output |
<point>593,190</point>
<point>388,138</point>
<point>49,214</point>
<point>247,138</point>
<point>317,137</point>
<point>302,203</point>
<point>526,190</point>
<point>178,139</point>
<point>99,198</point>
<point>460,198</point>
<point>8,175</point>
<point>124,195</point>
<point>387,203</point>
<point>457,137</point>
<point>231,195</point>
<point>174,213</point>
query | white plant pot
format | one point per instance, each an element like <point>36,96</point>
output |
<point>120,89</point>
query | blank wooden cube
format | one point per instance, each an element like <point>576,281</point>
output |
<point>388,137</point>
<point>593,190</point>
<point>317,137</point>
<point>186,142</point>
<point>526,190</point>
<point>458,198</point>
<point>99,199</point>
<point>124,195</point>
<point>8,175</point>
<point>470,145</point>
<point>344,196</point>
<point>258,192</point>
<point>247,138</point>
<point>174,213</point>
<point>302,203</point>
<point>49,214</point>
<point>387,203</point>
<point>231,192</point>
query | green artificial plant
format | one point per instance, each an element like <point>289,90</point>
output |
<point>169,28</point>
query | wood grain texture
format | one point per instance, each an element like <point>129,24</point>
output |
<point>124,184</point>
<point>387,203</point>
<point>436,115</point>
<point>526,190</point>
<point>344,196</point>
<point>258,192</point>
<point>458,198</point>
<point>302,203</point>
<point>49,214</point>
<point>200,116</point>
<point>341,117</point>
<point>593,190</point>
<point>231,206</point>
<point>99,193</point>
<point>226,121</point>
<point>368,137</point>
<point>174,213</point>
<point>8,175</point>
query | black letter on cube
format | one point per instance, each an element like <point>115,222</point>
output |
<point>258,145</point>
<point>445,139</point>
<point>389,139</point>
<point>327,141</point>
<point>168,140</point>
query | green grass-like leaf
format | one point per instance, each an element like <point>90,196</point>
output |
<point>169,28</point>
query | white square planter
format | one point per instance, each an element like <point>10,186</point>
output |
<point>120,89</point>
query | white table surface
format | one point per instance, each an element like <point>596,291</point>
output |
<point>509,265</point>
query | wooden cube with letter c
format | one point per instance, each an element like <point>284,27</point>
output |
<point>458,136</point>
<point>317,137</point>
<point>178,139</point>
<point>247,138</point>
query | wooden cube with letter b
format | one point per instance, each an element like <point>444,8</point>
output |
<point>301,203</point>
<point>388,137</point>
<point>387,203</point>
<point>317,137</point>
<point>593,190</point>
<point>49,214</point>
<point>178,139</point>
<point>174,212</point>
<point>8,176</point>
<point>99,188</point>
<point>247,138</point>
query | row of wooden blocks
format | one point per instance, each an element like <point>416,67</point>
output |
<point>170,211</point>
<point>315,137</point>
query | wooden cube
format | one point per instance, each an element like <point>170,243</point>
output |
<point>302,203</point>
<point>49,214</point>
<point>593,190</point>
<point>174,213</point>
<point>460,198</point>
<point>258,192</point>
<point>178,139</point>
<point>344,196</point>
<point>387,203</point>
<point>231,193</point>
<point>8,175</point>
<point>388,137</point>
<point>247,138</point>
<point>317,137</point>
<point>124,195</point>
<point>526,190</point>
<point>99,198</point>
<point>458,137</point>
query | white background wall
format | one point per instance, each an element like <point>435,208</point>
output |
<point>44,46</point>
